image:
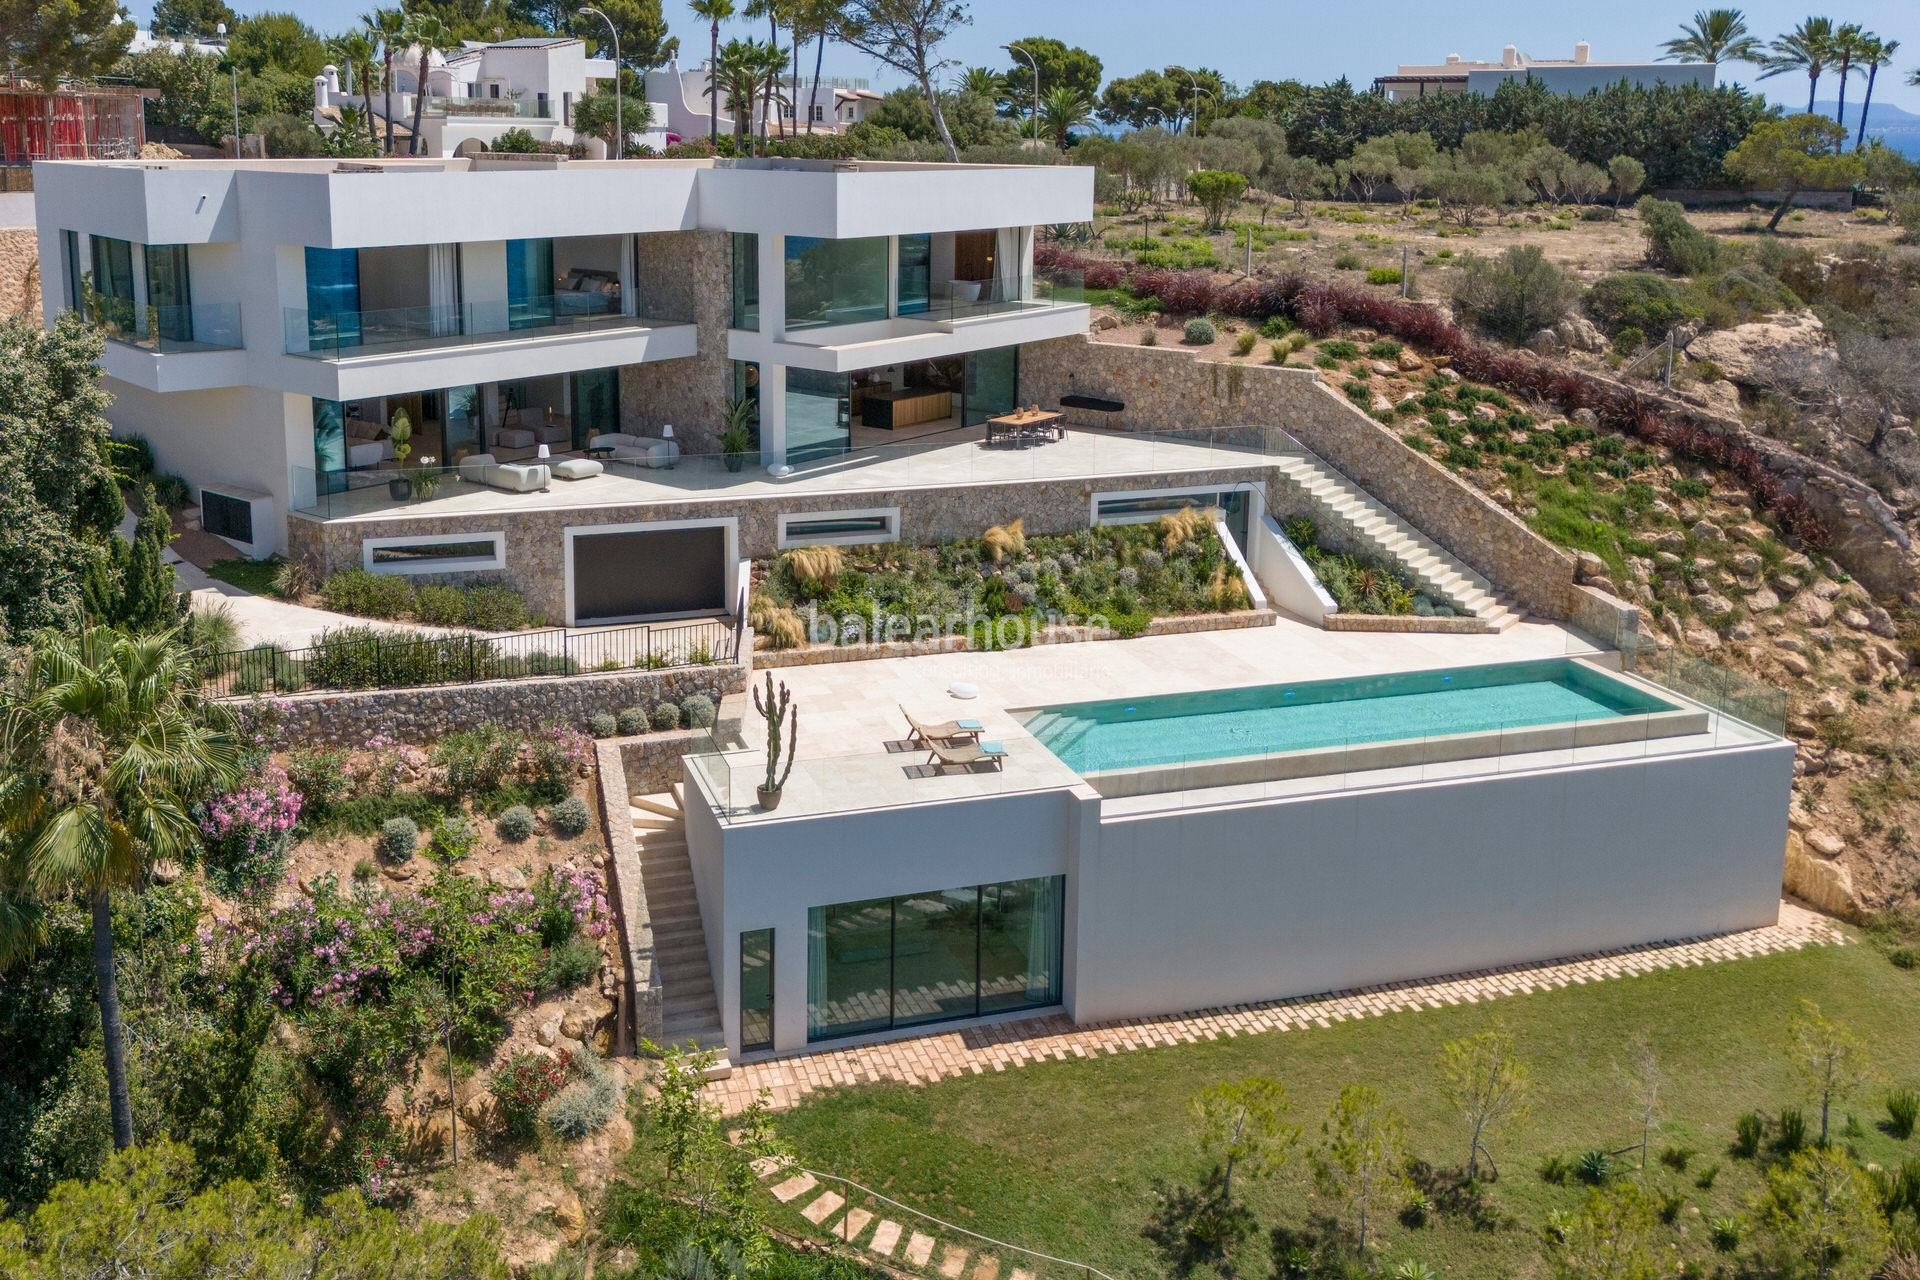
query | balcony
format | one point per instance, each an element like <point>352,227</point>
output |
<point>965,316</point>
<point>474,108</point>
<point>344,335</point>
<point>175,348</point>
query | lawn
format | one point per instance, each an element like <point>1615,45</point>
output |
<point>1062,1157</point>
<point>255,576</point>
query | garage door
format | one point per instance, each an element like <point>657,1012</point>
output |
<point>649,574</point>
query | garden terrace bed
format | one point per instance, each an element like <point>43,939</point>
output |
<point>1002,590</point>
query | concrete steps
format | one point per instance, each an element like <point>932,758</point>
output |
<point>689,1010</point>
<point>1432,567</point>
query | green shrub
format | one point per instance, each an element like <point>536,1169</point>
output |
<point>1904,957</point>
<point>364,870</point>
<point>1556,1170</point>
<point>478,759</point>
<point>569,963</point>
<point>172,491</point>
<point>131,457</point>
<point>1742,294</point>
<point>1385,349</point>
<point>1673,243</point>
<point>1594,1167</point>
<point>1725,1233</point>
<point>1359,392</point>
<point>1275,327</point>
<point>371,595</point>
<point>603,724</point>
<point>1243,343</point>
<point>1199,332</point>
<point>1640,300</point>
<point>632,721</point>
<point>1383,275</point>
<point>1629,340</point>
<point>697,710</point>
<point>666,715</point>
<point>1706,1177</point>
<point>1677,1158</point>
<point>319,774</point>
<point>1903,1109</point>
<point>1791,1127</point>
<point>570,817</point>
<point>492,607</point>
<point>586,1106</point>
<point>1513,296</point>
<point>522,1087</point>
<point>514,825</point>
<point>399,837</point>
<point>453,838</point>
<point>1278,352</point>
<point>440,606</point>
<point>1340,349</point>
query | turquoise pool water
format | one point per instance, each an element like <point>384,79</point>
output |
<point>1129,733</point>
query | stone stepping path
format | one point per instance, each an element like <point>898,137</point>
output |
<point>888,1236</point>
<point>1056,1038</point>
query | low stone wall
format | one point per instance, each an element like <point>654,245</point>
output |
<point>1404,624</point>
<point>642,1005</point>
<point>1167,389</point>
<point>348,718</point>
<point>1721,197</point>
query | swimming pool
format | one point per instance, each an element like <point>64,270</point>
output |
<point>1469,708</point>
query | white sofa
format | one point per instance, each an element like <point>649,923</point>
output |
<point>642,449</point>
<point>514,477</point>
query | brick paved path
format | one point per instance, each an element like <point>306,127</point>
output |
<point>938,1056</point>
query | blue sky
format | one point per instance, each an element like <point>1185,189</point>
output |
<point>1316,41</point>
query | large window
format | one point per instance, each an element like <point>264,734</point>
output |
<point>835,281</point>
<point>756,990</point>
<point>933,957</point>
<point>169,296</point>
<point>529,283</point>
<point>76,272</point>
<point>819,414</point>
<point>916,273</point>
<point>746,280</point>
<point>333,297</point>
<point>113,282</point>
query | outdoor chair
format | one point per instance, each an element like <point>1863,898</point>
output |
<point>965,754</point>
<point>946,731</point>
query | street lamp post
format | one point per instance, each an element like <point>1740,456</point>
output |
<point>220,29</point>
<point>619,120</point>
<point>1034,62</point>
<point>1197,91</point>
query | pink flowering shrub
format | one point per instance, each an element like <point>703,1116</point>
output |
<point>245,833</point>
<point>553,757</point>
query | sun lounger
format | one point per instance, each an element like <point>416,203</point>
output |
<point>945,731</point>
<point>966,754</point>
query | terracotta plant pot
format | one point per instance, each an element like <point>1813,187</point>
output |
<point>769,799</point>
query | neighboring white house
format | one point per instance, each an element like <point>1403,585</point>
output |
<point>1575,75</point>
<point>479,91</point>
<point>836,103</point>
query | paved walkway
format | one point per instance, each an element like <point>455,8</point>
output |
<point>998,1047</point>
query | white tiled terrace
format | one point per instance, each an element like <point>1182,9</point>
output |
<point>954,457</point>
<point>849,712</point>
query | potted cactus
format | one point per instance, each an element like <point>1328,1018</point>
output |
<point>776,708</point>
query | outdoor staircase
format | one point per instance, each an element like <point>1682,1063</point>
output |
<point>673,909</point>
<point>1434,569</point>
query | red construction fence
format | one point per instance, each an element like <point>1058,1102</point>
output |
<point>69,123</point>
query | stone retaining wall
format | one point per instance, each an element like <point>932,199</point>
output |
<point>347,718</point>
<point>642,1005</point>
<point>1167,389</point>
<point>19,273</point>
<point>1404,624</point>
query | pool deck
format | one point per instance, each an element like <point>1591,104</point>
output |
<point>850,754</point>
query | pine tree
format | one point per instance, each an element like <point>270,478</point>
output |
<point>148,598</point>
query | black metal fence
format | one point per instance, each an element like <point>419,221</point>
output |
<point>378,658</point>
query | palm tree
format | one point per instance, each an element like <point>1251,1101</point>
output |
<point>818,17</point>
<point>105,743</point>
<point>1847,42</point>
<point>1062,110</point>
<point>356,50</point>
<point>426,31</point>
<point>982,82</point>
<point>715,12</point>
<point>386,27</point>
<point>1874,54</point>
<point>736,75</point>
<point>773,11</point>
<point>1714,35</point>
<point>1807,48</point>
<point>770,64</point>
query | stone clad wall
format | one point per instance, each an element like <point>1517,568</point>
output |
<point>349,718</point>
<point>682,274</point>
<point>536,540</point>
<point>1167,389</point>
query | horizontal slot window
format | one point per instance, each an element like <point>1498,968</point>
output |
<point>844,528</point>
<point>434,554</point>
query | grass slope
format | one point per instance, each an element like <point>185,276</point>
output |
<point>1062,1156</point>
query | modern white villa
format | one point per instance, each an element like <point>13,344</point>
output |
<point>684,103</point>
<point>479,91</point>
<point>1576,75</point>
<point>615,386</point>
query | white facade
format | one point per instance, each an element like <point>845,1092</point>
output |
<point>225,373</point>
<point>476,93</point>
<point>685,101</point>
<point>1574,76</point>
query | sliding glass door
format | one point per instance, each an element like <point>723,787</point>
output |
<point>169,296</point>
<point>756,990</point>
<point>819,414</point>
<point>333,297</point>
<point>529,283</point>
<point>933,957</point>
<point>596,404</point>
<point>992,385</point>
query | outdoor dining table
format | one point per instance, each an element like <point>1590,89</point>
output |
<point>1027,424</point>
